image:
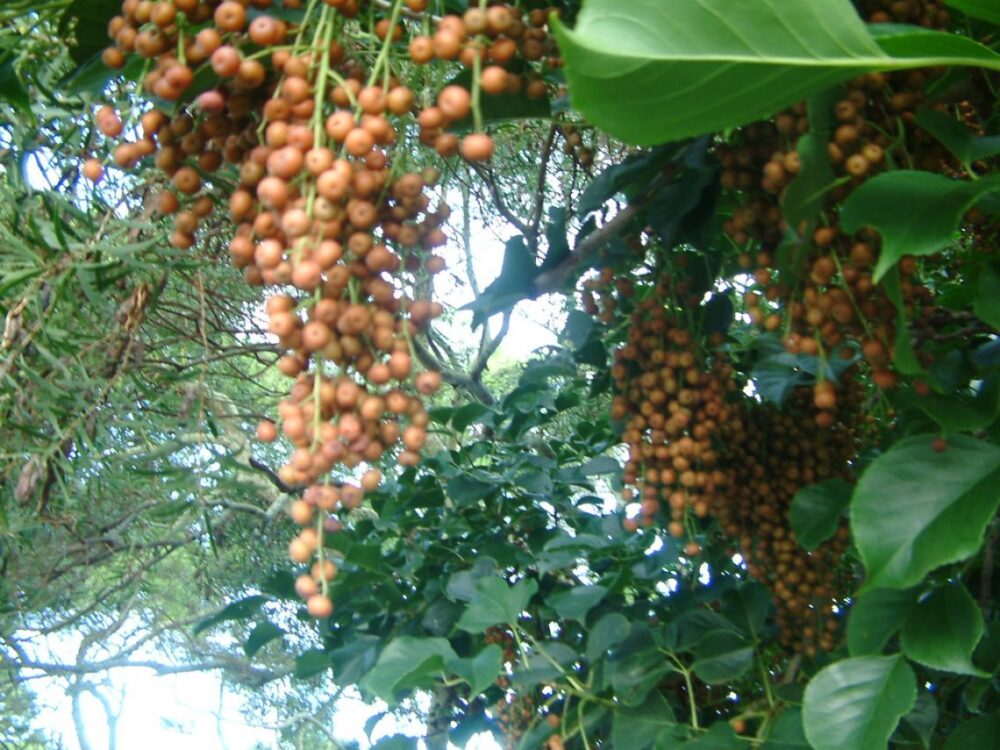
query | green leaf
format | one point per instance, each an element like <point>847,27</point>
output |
<point>942,631</point>
<point>987,10</point>
<point>637,728</point>
<point>512,285</point>
<point>915,509</point>
<point>957,138</point>
<point>922,719</point>
<point>649,72</point>
<point>956,412</point>
<point>747,607</point>
<point>805,196</point>
<point>875,617</point>
<point>92,19</point>
<point>577,602</point>
<point>550,661</point>
<point>817,509</point>
<point>607,632</point>
<point>462,585</point>
<point>536,736</point>
<point>911,43</point>
<point>311,662</point>
<point>92,76</point>
<point>722,656</point>
<point>981,734</point>
<point>465,490</point>
<point>11,88</point>
<point>681,211</point>
<point>261,635</point>
<point>775,380</point>
<point>987,655</point>
<point>787,732</point>
<point>354,660</point>
<point>987,300</point>
<point>637,666</point>
<point>239,610</point>
<point>481,670</point>
<point>470,414</point>
<point>720,736</point>
<point>503,107</point>
<point>280,584</point>
<point>497,602</point>
<point>601,465</point>
<point>863,698</point>
<point>408,662</point>
<point>904,358</point>
<point>634,171</point>
<point>917,213</point>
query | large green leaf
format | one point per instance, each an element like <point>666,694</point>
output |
<point>577,602</point>
<point>942,631</point>
<point>637,728</point>
<point>988,10</point>
<point>817,509</point>
<point>787,732</point>
<point>238,610</point>
<point>957,412</point>
<point>917,213</point>
<point>311,662</point>
<point>987,301</point>
<point>747,607</point>
<point>496,602</point>
<point>856,703</point>
<point>609,631</point>
<point>722,656</point>
<point>480,670</point>
<point>920,722</point>
<point>915,509</point>
<point>408,662</point>
<point>11,88</point>
<point>262,634</point>
<point>875,617</point>
<point>650,72</point>
<point>958,139</point>
<point>636,666</point>
<point>982,734</point>
<point>92,18</point>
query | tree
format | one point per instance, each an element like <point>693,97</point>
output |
<point>750,499</point>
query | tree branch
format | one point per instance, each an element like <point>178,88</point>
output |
<point>488,349</point>
<point>543,171</point>
<point>456,379</point>
<point>585,251</point>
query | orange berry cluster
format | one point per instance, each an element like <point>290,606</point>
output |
<point>699,449</point>
<point>671,400</point>
<point>770,453</point>
<point>310,117</point>
<point>832,299</point>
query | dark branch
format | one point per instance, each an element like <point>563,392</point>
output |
<point>587,249</point>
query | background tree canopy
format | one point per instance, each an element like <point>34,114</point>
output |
<point>266,410</point>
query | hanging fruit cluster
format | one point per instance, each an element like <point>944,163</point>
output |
<point>700,449</point>
<point>698,446</point>
<point>672,402</point>
<point>314,119</point>
<point>822,294</point>
<point>771,453</point>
